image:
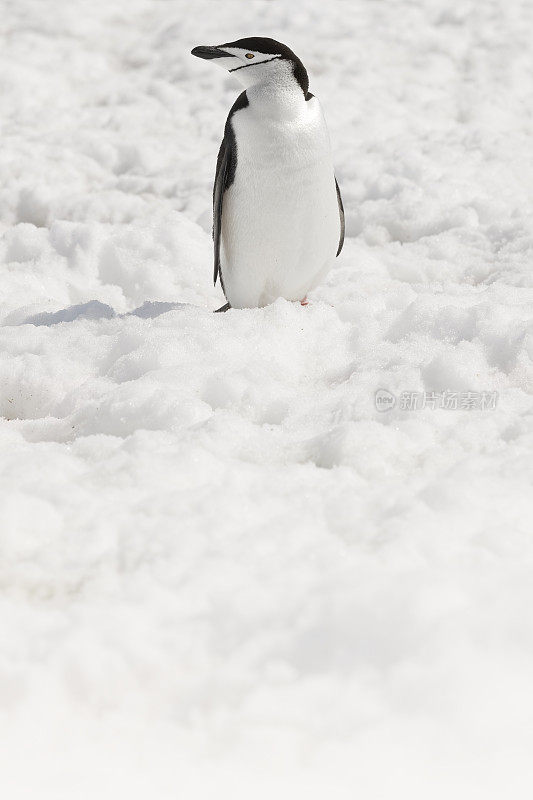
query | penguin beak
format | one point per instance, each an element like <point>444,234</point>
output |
<point>209,52</point>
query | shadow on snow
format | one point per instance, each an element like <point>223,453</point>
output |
<point>94,309</point>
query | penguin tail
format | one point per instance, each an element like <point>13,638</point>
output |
<point>222,308</point>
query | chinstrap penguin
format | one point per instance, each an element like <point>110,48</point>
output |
<point>278,218</point>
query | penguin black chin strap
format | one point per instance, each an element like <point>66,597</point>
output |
<point>255,64</point>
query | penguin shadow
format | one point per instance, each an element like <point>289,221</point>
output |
<point>94,309</point>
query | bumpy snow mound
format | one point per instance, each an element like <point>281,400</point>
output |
<point>225,571</point>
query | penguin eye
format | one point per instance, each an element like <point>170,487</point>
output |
<point>250,55</point>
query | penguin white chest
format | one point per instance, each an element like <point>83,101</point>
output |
<point>280,217</point>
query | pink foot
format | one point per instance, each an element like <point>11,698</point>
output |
<point>304,302</point>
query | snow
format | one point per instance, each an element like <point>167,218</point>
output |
<point>224,572</point>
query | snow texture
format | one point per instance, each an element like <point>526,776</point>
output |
<point>224,572</point>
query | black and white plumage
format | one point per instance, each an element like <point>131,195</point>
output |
<point>278,218</point>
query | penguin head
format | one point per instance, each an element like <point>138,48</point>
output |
<point>257,60</point>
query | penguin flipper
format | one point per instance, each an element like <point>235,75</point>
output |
<point>223,160</point>
<point>341,215</point>
<point>224,177</point>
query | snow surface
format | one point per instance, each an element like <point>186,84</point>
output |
<point>224,573</point>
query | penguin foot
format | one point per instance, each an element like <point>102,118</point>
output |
<point>304,302</point>
<point>222,308</point>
